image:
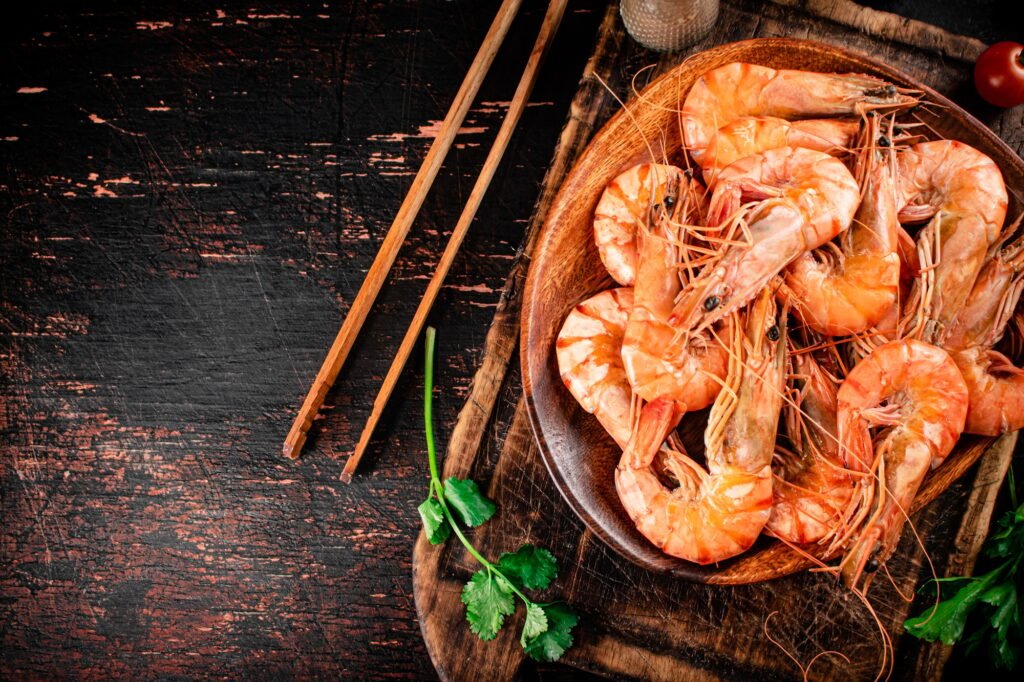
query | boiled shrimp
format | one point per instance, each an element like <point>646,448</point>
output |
<point>627,204</point>
<point>716,513</point>
<point>995,385</point>
<point>850,289</point>
<point>996,388</point>
<point>801,199</point>
<point>990,304</point>
<point>588,350</point>
<point>724,94</point>
<point>753,134</point>
<point>660,364</point>
<point>916,392</point>
<point>960,192</point>
<point>812,488</point>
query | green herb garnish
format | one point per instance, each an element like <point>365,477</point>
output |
<point>999,623</point>
<point>490,595</point>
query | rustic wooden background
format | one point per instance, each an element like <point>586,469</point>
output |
<point>188,200</point>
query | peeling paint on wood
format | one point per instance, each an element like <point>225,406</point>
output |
<point>189,198</point>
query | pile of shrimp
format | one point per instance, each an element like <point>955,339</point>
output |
<point>831,283</point>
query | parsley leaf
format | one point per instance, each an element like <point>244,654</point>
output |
<point>992,597</point>
<point>434,523</point>
<point>467,501</point>
<point>552,643</point>
<point>946,620</point>
<point>490,595</point>
<point>1004,618</point>
<point>487,603</point>
<point>531,567</point>
<point>536,623</point>
<point>1008,540</point>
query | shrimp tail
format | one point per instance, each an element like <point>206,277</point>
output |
<point>657,419</point>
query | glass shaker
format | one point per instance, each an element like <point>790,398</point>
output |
<point>667,25</point>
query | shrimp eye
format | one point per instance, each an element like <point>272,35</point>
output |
<point>884,141</point>
<point>670,201</point>
<point>884,91</point>
<point>710,303</point>
<point>773,332</point>
<point>655,214</point>
<point>871,566</point>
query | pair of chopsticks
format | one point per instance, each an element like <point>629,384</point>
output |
<point>403,222</point>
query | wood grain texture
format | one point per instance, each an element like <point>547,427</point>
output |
<point>640,625</point>
<point>888,26</point>
<point>190,195</point>
<point>189,199</point>
<point>392,244</point>
<point>520,99</point>
<point>931,659</point>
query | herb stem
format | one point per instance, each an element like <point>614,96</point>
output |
<point>472,550</point>
<point>428,411</point>
<point>436,487</point>
<point>1012,483</point>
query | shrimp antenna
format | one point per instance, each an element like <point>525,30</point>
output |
<point>805,670</point>
<point>629,113</point>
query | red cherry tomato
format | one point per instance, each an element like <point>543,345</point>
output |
<point>999,74</point>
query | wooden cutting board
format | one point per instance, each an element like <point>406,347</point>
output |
<point>635,624</point>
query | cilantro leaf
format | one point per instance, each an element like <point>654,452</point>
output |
<point>531,567</point>
<point>490,594</point>
<point>992,597</point>
<point>1000,594</point>
<point>434,522</point>
<point>551,644</point>
<point>1008,538</point>
<point>1004,653</point>
<point>468,503</point>
<point>536,623</point>
<point>1005,617</point>
<point>487,603</point>
<point>949,585</point>
<point>973,642</point>
<point>946,619</point>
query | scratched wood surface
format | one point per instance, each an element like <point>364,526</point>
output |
<point>636,624</point>
<point>189,198</point>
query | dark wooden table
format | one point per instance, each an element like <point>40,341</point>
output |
<point>188,201</point>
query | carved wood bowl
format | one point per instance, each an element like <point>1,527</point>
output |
<point>566,269</point>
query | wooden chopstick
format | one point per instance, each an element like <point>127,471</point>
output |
<point>549,26</point>
<point>399,229</point>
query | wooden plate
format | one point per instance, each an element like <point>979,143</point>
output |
<point>566,269</point>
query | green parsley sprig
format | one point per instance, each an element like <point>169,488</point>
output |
<point>491,592</point>
<point>994,596</point>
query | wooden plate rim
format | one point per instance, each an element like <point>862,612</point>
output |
<point>724,573</point>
